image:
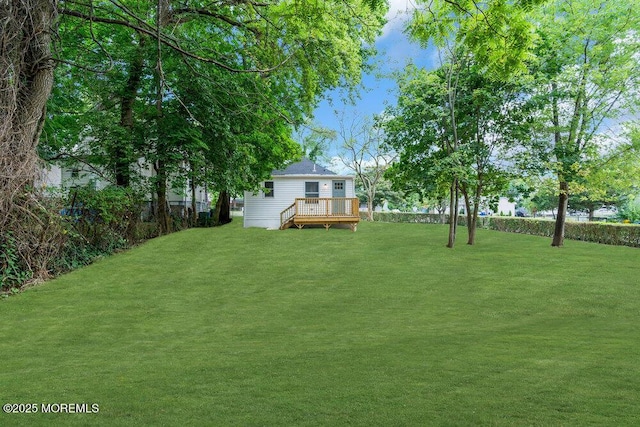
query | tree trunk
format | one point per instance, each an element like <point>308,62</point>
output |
<point>453,212</point>
<point>222,214</point>
<point>121,154</point>
<point>473,221</point>
<point>563,201</point>
<point>471,226</point>
<point>26,80</point>
<point>472,215</point>
<point>563,197</point>
<point>164,217</point>
<point>369,209</point>
<point>194,212</point>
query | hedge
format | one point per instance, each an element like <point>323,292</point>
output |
<point>597,232</point>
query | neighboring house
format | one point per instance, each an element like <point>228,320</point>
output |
<point>67,177</point>
<point>504,207</point>
<point>50,176</point>
<point>71,176</point>
<point>302,194</point>
<point>64,177</point>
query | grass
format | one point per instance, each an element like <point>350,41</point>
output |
<point>385,326</point>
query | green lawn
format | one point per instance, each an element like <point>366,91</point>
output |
<point>385,326</point>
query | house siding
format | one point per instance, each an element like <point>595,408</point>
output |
<point>80,175</point>
<point>264,212</point>
<point>50,176</point>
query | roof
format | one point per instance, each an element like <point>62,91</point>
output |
<point>303,167</point>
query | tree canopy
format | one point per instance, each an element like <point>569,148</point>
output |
<point>571,69</point>
<point>201,91</point>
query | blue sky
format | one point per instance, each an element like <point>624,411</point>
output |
<point>394,51</point>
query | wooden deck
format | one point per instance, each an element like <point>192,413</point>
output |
<point>321,211</point>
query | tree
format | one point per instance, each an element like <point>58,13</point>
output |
<point>27,28</point>
<point>609,179</point>
<point>586,74</point>
<point>544,197</point>
<point>386,194</point>
<point>486,113</point>
<point>498,33</point>
<point>275,52</point>
<point>97,108</point>
<point>417,129</point>
<point>450,125</point>
<point>365,153</point>
<point>315,140</point>
<point>290,51</point>
<point>30,234</point>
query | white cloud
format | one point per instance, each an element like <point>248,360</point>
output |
<point>397,16</point>
<point>336,164</point>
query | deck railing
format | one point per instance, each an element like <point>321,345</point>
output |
<point>327,207</point>
<point>321,207</point>
<point>287,214</point>
<point>330,209</point>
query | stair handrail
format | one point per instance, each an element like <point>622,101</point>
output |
<point>287,214</point>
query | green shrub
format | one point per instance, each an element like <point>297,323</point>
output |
<point>67,231</point>
<point>407,217</point>
<point>538,227</point>
<point>13,272</point>
<point>598,232</point>
<point>98,223</point>
<point>630,211</point>
<point>106,218</point>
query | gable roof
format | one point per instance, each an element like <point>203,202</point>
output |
<point>303,167</point>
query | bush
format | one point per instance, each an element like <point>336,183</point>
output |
<point>537,227</point>
<point>100,222</point>
<point>407,217</point>
<point>630,212</point>
<point>611,234</point>
<point>64,232</point>
<point>12,270</point>
<point>31,239</point>
<point>106,218</point>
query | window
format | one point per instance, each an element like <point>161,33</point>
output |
<point>268,189</point>
<point>311,189</point>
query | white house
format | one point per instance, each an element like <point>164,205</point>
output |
<point>505,207</point>
<point>303,193</point>
<point>64,177</point>
<point>69,176</point>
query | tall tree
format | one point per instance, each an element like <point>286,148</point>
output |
<point>365,153</point>
<point>281,55</point>
<point>421,130</point>
<point>315,140</point>
<point>499,33</point>
<point>586,74</point>
<point>610,178</point>
<point>452,124</point>
<point>27,28</point>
